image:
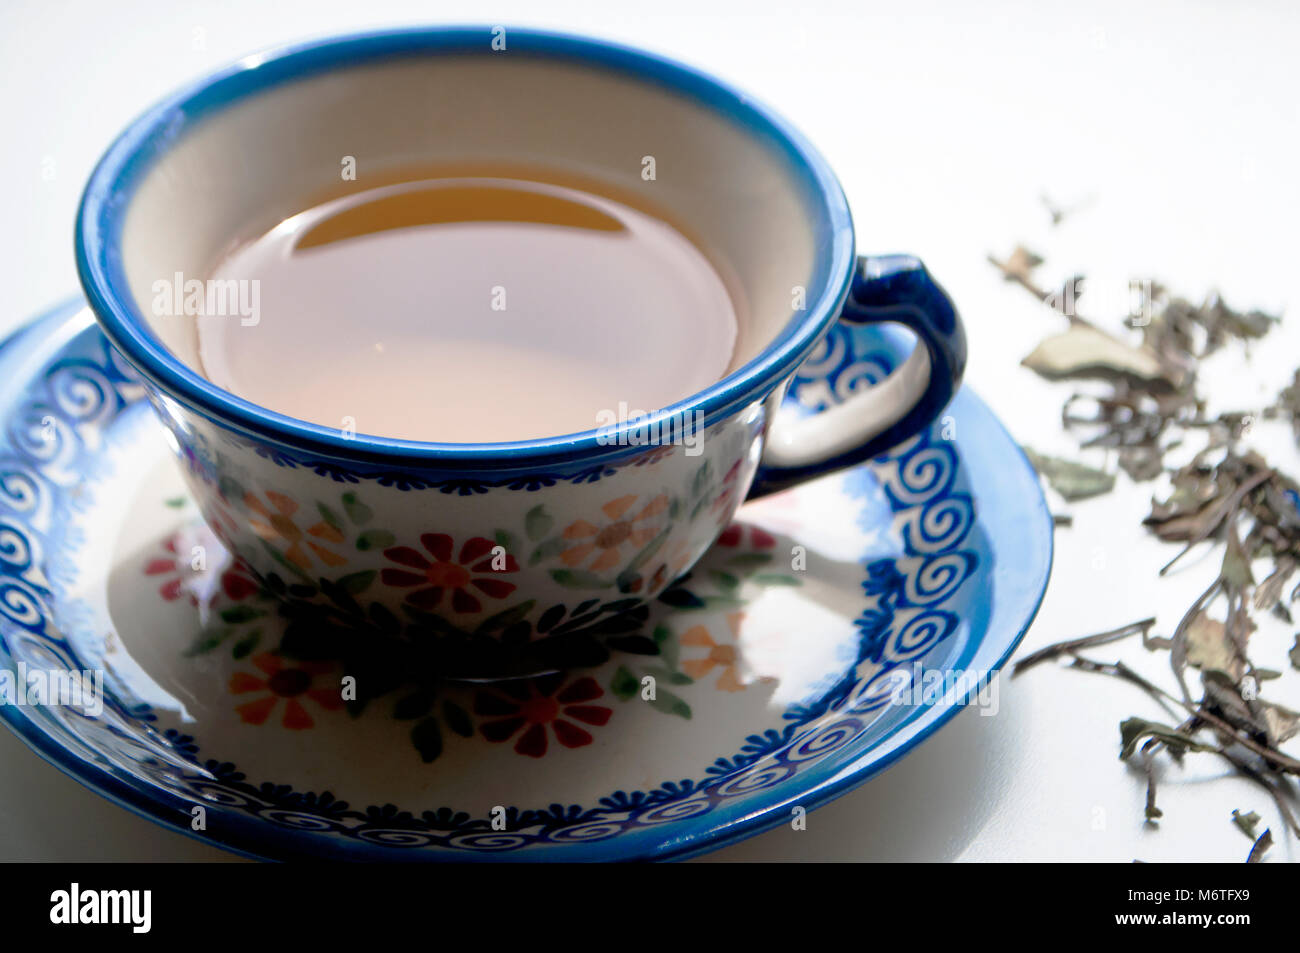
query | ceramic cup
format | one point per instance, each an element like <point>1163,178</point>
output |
<point>502,543</point>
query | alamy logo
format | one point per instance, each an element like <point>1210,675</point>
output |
<point>625,427</point>
<point>38,687</point>
<point>220,297</point>
<point>75,905</point>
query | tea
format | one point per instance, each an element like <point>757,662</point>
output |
<point>471,309</point>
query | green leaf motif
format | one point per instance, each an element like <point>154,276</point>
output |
<point>329,516</point>
<point>415,705</point>
<point>288,566</point>
<point>724,579</point>
<point>681,598</point>
<point>230,488</point>
<point>652,547</point>
<point>579,579</point>
<point>206,643</point>
<point>547,550</point>
<point>776,579</point>
<point>633,644</point>
<point>375,539</point>
<point>427,738</point>
<point>357,511</point>
<point>671,677</point>
<point>244,647</point>
<point>235,615</point>
<point>358,582</point>
<point>458,719</point>
<point>506,617</point>
<point>700,482</point>
<point>669,650</point>
<point>538,522</point>
<point>624,684</point>
<point>670,704</point>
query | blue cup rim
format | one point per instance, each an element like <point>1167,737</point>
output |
<point>107,195</point>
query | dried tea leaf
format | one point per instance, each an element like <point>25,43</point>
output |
<point>1269,592</point>
<point>1145,403</point>
<point>1261,845</point>
<point>1019,266</point>
<point>1141,463</point>
<point>1287,405</point>
<point>1193,488</point>
<point>1065,300</point>
<point>1275,722</point>
<point>1246,822</point>
<point>1222,322</point>
<point>1058,649</point>
<point>1210,650</point>
<point>1282,723</point>
<point>1152,813</point>
<point>1074,481</point>
<point>1085,352</point>
<point>1133,730</point>
<point>1236,564</point>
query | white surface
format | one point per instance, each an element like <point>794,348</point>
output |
<point>1175,123</point>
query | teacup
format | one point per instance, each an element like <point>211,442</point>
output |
<point>500,542</point>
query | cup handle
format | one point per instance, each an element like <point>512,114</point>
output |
<point>887,288</point>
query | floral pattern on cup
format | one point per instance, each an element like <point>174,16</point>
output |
<point>283,680</point>
<point>467,577</point>
<point>255,620</point>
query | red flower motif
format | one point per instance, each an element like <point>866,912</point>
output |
<point>653,455</point>
<point>721,506</point>
<point>537,703</point>
<point>441,573</point>
<point>735,534</point>
<point>236,581</point>
<point>284,680</point>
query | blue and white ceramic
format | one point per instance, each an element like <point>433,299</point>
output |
<point>470,537</point>
<point>830,629</point>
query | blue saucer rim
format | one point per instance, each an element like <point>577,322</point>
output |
<point>27,345</point>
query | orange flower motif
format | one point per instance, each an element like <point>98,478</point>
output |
<point>284,680</point>
<point>672,566</point>
<point>275,524</point>
<point>223,525</point>
<point>718,656</point>
<point>605,541</point>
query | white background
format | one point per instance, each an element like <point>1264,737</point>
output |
<point>1173,127</point>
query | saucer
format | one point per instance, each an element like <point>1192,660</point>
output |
<point>786,668</point>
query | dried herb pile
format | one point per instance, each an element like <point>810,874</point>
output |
<point>1137,396</point>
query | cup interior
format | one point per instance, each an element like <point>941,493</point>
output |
<point>227,161</point>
